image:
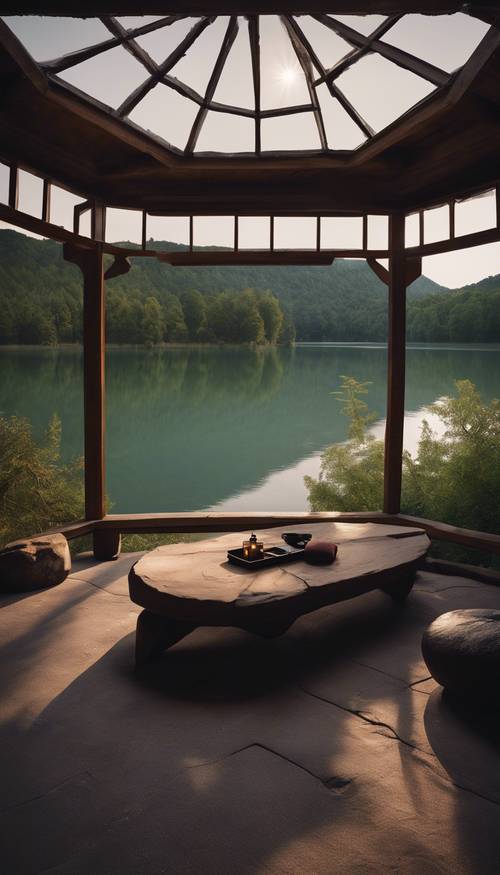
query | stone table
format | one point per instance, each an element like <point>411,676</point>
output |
<point>184,586</point>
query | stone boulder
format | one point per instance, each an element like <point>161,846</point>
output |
<point>34,563</point>
<point>462,652</point>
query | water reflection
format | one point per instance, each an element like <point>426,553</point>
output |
<point>193,428</point>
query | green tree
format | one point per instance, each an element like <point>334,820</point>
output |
<point>194,310</point>
<point>351,475</point>
<point>454,478</point>
<point>271,315</point>
<point>152,322</point>
<point>175,326</point>
<point>37,491</point>
<point>287,333</point>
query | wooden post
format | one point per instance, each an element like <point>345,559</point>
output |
<point>46,198</point>
<point>395,365</point>
<point>13,199</point>
<point>90,262</point>
<point>93,376</point>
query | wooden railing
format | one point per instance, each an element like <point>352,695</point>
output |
<point>201,523</point>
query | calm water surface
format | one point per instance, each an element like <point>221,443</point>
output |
<point>237,429</point>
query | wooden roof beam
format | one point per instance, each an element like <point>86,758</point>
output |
<point>357,53</point>
<point>140,92</point>
<point>254,36</point>
<point>335,92</point>
<point>130,45</point>
<point>306,61</point>
<point>458,86</point>
<point>391,53</point>
<point>57,65</point>
<point>81,9</point>
<point>227,43</point>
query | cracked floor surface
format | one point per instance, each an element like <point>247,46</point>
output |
<point>328,750</point>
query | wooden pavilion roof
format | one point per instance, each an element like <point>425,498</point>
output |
<point>447,145</point>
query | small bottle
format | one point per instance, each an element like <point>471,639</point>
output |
<point>253,549</point>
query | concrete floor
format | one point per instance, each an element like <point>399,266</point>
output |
<point>328,750</point>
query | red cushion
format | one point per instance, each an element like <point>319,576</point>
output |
<point>320,552</point>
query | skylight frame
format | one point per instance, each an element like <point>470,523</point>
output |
<point>314,72</point>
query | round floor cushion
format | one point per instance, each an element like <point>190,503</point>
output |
<point>462,652</point>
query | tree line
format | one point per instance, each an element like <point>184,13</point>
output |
<point>41,302</point>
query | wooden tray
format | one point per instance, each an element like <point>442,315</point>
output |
<point>272,556</point>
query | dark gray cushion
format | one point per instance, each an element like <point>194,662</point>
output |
<point>462,652</point>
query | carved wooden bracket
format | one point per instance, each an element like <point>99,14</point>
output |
<point>120,265</point>
<point>413,270</point>
<point>77,254</point>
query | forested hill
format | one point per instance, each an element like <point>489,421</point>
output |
<point>40,299</point>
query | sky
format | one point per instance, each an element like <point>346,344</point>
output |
<point>379,90</point>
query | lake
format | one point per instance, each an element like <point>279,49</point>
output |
<point>226,428</point>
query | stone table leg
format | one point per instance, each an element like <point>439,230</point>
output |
<point>154,634</point>
<point>400,589</point>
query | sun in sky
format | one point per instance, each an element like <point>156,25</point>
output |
<point>287,75</point>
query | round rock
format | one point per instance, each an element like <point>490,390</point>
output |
<point>462,652</point>
<point>34,563</point>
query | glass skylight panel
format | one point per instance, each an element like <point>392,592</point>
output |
<point>290,132</point>
<point>329,47</point>
<point>167,114</point>
<point>46,37</point>
<point>196,67</point>
<point>381,91</point>
<point>159,44</point>
<point>109,77</point>
<point>235,86</point>
<point>447,41</point>
<point>364,24</point>
<point>282,79</point>
<point>341,131</point>
<point>224,132</point>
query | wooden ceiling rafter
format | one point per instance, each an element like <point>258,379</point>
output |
<point>306,55</point>
<point>335,92</point>
<point>64,62</point>
<point>81,9</point>
<point>357,53</point>
<point>374,177</point>
<point>403,59</point>
<point>254,37</point>
<point>130,45</point>
<point>227,44</point>
<point>180,50</point>
<point>306,62</point>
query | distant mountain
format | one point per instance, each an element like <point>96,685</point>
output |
<point>40,294</point>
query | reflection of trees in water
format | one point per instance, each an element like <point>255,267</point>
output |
<point>187,427</point>
<point>193,376</point>
<point>431,373</point>
<point>38,383</point>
